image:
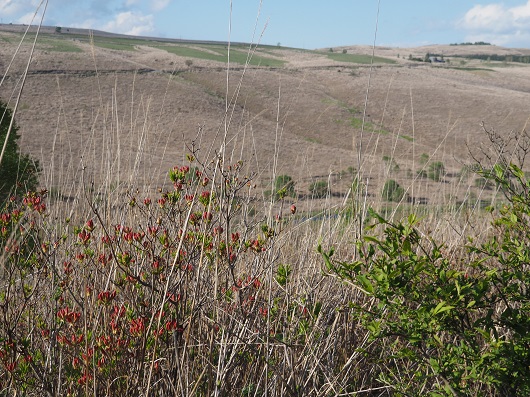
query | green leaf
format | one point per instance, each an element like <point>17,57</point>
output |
<point>375,215</point>
<point>367,285</point>
<point>440,308</point>
<point>326,257</point>
<point>374,327</point>
<point>370,239</point>
<point>517,172</point>
<point>499,171</point>
<point>407,249</point>
<point>434,365</point>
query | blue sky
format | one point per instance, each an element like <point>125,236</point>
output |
<point>295,23</point>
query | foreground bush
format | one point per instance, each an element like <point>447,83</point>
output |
<point>108,309</point>
<point>450,327</point>
<point>180,294</point>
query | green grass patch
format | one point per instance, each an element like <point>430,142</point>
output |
<point>59,46</point>
<point>502,65</point>
<point>121,44</point>
<point>356,58</point>
<point>312,140</point>
<point>262,51</point>
<point>356,121</point>
<point>115,45</point>
<point>188,52</point>
<point>221,55</point>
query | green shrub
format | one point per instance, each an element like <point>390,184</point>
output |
<point>392,191</point>
<point>319,189</point>
<point>391,163</point>
<point>18,172</point>
<point>436,171</point>
<point>448,329</point>
<point>283,187</point>
<point>422,174</point>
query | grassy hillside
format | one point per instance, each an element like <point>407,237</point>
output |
<point>414,109</point>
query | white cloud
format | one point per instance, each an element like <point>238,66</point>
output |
<point>130,23</point>
<point>13,8</point>
<point>498,24</point>
<point>28,19</point>
<point>159,5</point>
<point>10,7</point>
<point>517,39</point>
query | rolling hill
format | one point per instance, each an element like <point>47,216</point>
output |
<point>127,109</point>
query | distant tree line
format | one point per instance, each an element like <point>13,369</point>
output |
<point>494,57</point>
<point>484,57</point>
<point>469,43</point>
<point>428,58</point>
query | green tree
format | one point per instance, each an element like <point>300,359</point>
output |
<point>18,172</point>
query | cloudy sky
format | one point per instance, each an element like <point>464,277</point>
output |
<point>296,23</point>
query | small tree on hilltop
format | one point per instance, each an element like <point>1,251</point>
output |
<point>18,172</point>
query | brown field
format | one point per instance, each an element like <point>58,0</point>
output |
<point>128,115</point>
